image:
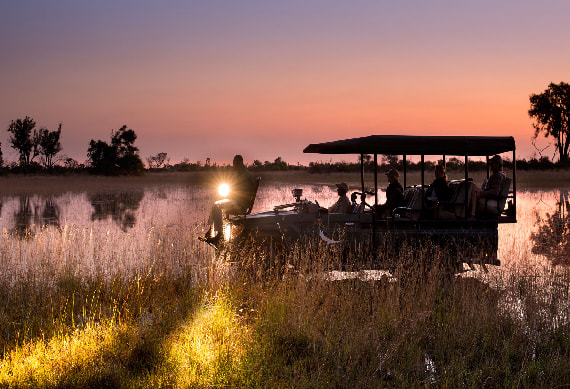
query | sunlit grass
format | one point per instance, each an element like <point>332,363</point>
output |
<point>87,357</point>
<point>207,350</point>
<point>154,309</point>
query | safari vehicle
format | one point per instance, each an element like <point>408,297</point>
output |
<point>471,240</point>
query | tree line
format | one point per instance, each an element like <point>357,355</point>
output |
<point>120,156</point>
<point>38,149</point>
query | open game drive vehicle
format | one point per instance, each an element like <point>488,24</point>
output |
<point>471,239</point>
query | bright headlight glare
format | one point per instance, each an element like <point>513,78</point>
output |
<point>224,190</point>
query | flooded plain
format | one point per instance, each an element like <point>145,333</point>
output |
<point>111,232</point>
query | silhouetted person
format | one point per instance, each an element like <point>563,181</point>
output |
<point>493,186</point>
<point>394,194</point>
<point>242,189</point>
<point>439,190</point>
<point>342,205</point>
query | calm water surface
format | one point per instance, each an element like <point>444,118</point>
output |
<point>110,224</point>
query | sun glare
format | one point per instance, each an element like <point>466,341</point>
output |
<point>224,190</point>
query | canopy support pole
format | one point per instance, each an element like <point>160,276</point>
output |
<point>362,172</point>
<point>466,187</point>
<point>404,163</point>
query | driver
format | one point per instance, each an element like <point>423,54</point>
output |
<point>242,190</point>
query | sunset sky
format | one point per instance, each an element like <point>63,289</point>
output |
<point>199,79</point>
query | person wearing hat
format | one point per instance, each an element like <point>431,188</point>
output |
<point>342,205</point>
<point>394,194</point>
<point>491,188</point>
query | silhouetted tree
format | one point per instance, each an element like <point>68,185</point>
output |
<point>279,164</point>
<point>1,158</point>
<point>256,164</point>
<point>121,156</point>
<point>390,160</point>
<point>123,141</point>
<point>21,138</point>
<point>551,109</point>
<point>72,164</point>
<point>157,161</point>
<point>49,145</point>
<point>102,156</point>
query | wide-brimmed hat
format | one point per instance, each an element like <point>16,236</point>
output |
<point>497,159</point>
<point>393,173</point>
<point>343,186</point>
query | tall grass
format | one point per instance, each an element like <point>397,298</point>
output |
<point>159,310</point>
<point>284,321</point>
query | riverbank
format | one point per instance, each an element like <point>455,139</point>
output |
<point>46,184</point>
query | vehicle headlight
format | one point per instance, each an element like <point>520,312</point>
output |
<point>224,190</point>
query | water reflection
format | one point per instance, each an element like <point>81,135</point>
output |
<point>27,215</point>
<point>50,213</point>
<point>23,218</point>
<point>120,207</point>
<point>553,236</point>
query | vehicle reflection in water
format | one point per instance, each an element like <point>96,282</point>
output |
<point>120,207</point>
<point>553,236</point>
<point>29,215</point>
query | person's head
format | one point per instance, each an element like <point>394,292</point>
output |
<point>496,163</point>
<point>342,188</point>
<point>393,175</point>
<point>238,161</point>
<point>439,171</point>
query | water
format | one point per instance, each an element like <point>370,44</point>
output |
<point>108,232</point>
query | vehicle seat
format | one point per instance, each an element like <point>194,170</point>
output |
<point>253,195</point>
<point>455,208</point>
<point>412,208</point>
<point>495,205</point>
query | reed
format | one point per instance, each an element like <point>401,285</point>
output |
<point>183,320</point>
<point>160,310</point>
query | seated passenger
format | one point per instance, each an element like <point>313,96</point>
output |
<point>492,188</point>
<point>342,205</point>
<point>439,190</point>
<point>394,194</point>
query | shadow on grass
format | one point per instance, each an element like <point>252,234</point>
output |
<point>109,336</point>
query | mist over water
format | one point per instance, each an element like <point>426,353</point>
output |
<point>123,221</point>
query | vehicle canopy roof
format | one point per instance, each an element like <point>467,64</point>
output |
<point>417,145</point>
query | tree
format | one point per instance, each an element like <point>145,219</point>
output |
<point>551,110</point>
<point>121,156</point>
<point>49,145</point>
<point>21,138</point>
<point>102,157</point>
<point>71,164</point>
<point>1,158</point>
<point>123,141</point>
<point>160,159</point>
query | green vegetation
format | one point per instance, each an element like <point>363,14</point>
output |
<point>184,321</point>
